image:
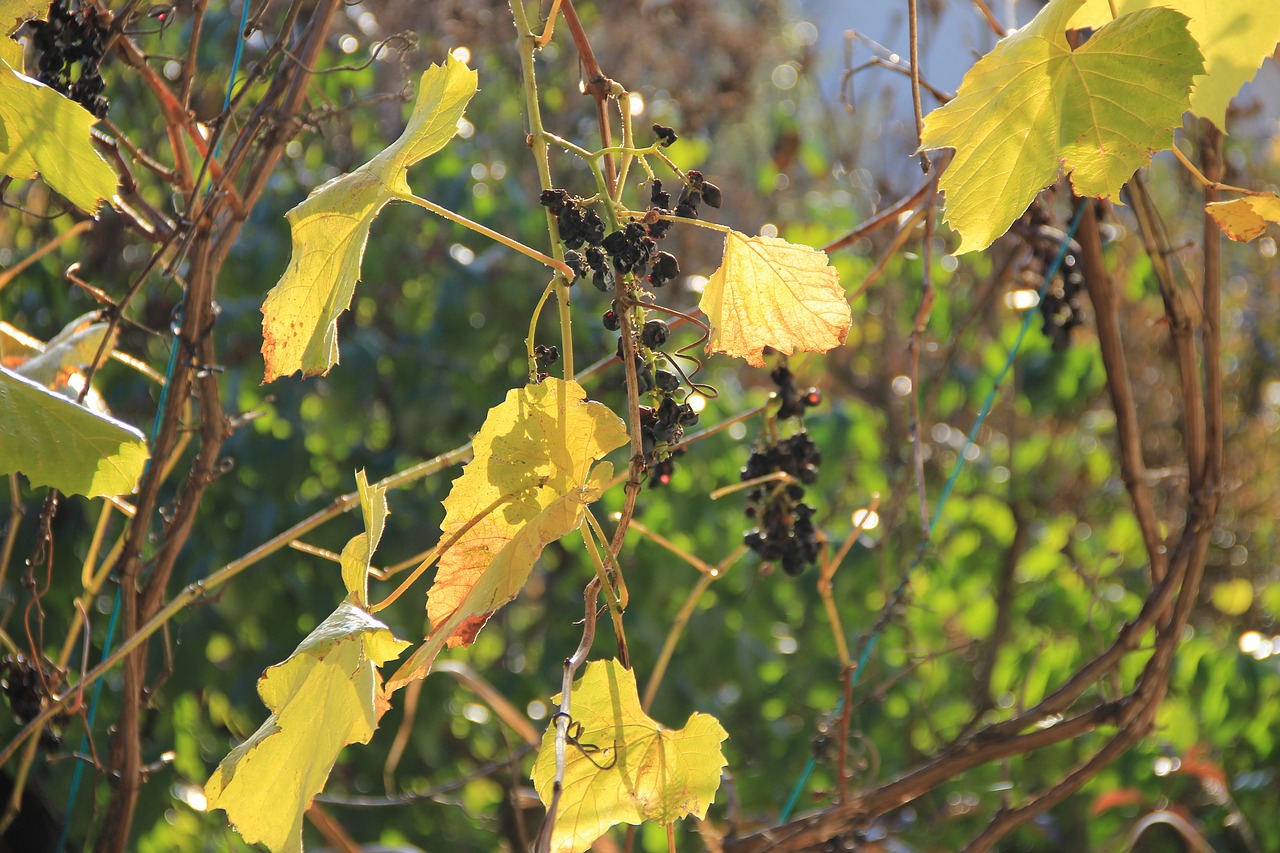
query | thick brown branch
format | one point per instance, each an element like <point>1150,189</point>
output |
<point>1102,294</point>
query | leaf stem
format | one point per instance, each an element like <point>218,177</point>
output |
<point>498,237</point>
<point>614,596</point>
<point>533,327</point>
<point>663,542</point>
<point>561,719</point>
<point>528,43</point>
<point>824,584</point>
<point>14,271</point>
<point>776,476</point>
<point>682,620</point>
<point>627,151</point>
<point>1202,180</point>
<point>437,552</point>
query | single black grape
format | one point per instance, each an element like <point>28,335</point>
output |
<point>665,268</point>
<point>657,197</point>
<point>575,262</point>
<point>666,136</point>
<point>654,334</point>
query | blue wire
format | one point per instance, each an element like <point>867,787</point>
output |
<point>109,641</point>
<point>970,440</point>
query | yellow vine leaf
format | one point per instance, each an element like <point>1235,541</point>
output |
<point>1033,104</point>
<point>326,695</point>
<point>771,293</point>
<point>330,228</point>
<point>358,553</point>
<point>1234,36</point>
<point>528,483</point>
<point>1245,219</point>
<point>41,132</point>
<point>625,766</point>
<point>57,443</point>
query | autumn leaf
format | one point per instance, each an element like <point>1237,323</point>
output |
<point>528,484</point>
<point>41,132</point>
<point>625,767</point>
<point>771,293</point>
<point>359,550</point>
<point>326,695</point>
<point>1033,103</point>
<point>57,443</point>
<point>1234,36</point>
<point>1245,219</point>
<point>329,230</point>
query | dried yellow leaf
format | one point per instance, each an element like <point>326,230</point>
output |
<point>1245,219</point>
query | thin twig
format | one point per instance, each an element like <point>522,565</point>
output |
<point>561,719</point>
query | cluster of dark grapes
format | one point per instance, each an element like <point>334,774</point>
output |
<point>664,425</point>
<point>68,39</point>
<point>630,254</point>
<point>784,531</point>
<point>792,402</point>
<point>698,188</point>
<point>1060,306</point>
<point>25,691</point>
<point>545,356</point>
<point>578,225</point>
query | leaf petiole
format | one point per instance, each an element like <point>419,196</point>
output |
<point>533,326</point>
<point>438,552</point>
<point>615,596</point>
<point>497,237</point>
<point>1201,179</point>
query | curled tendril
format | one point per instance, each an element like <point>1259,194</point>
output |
<point>573,734</point>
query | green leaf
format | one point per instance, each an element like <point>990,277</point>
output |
<point>330,229</point>
<point>1234,36</point>
<point>533,460</point>
<point>326,695</point>
<point>771,293</point>
<point>56,443</point>
<point>358,552</point>
<point>1033,103</point>
<point>625,767</point>
<point>1233,597</point>
<point>43,132</point>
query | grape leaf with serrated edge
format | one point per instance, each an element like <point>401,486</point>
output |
<point>625,767</point>
<point>1033,104</point>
